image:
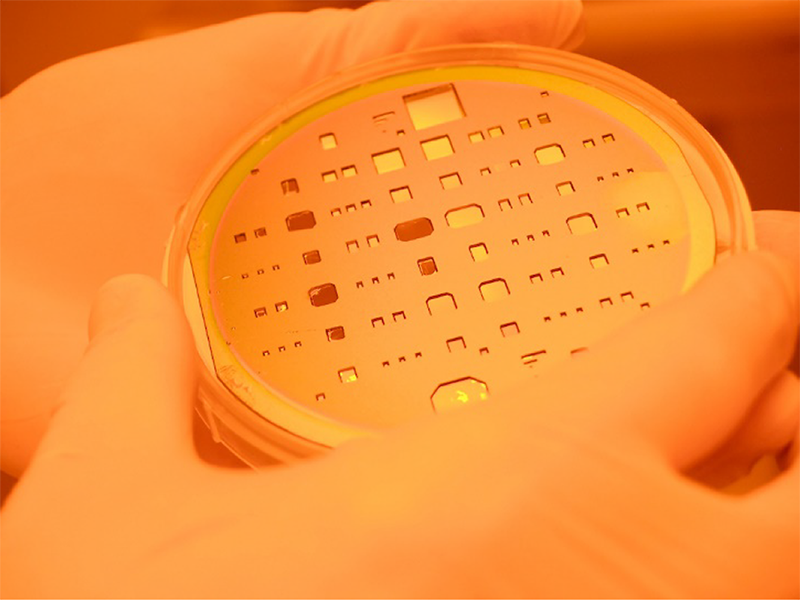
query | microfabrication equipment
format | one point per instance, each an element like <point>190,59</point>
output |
<point>409,235</point>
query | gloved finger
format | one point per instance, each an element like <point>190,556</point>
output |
<point>131,398</point>
<point>382,28</point>
<point>249,52</point>
<point>707,357</point>
<point>232,73</point>
<point>781,497</point>
<point>681,379</point>
<point>766,430</point>
<point>33,324</point>
<point>778,231</point>
<point>767,522</point>
<point>713,352</point>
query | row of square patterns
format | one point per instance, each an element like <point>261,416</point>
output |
<point>418,248</point>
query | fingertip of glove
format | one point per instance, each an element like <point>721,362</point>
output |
<point>419,24</point>
<point>757,285</point>
<point>125,298</point>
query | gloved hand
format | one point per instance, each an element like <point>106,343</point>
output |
<point>571,486</point>
<point>581,493</point>
<point>99,153</point>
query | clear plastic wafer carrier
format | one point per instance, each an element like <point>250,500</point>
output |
<point>411,234</point>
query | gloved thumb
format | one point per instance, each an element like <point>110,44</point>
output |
<point>131,397</point>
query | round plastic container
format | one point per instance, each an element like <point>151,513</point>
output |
<point>412,235</point>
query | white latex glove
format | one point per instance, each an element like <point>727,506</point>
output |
<point>99,152</point>
<point>578,493</point>
<point>568,487</point>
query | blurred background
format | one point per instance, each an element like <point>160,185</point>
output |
<point>733,64</point>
